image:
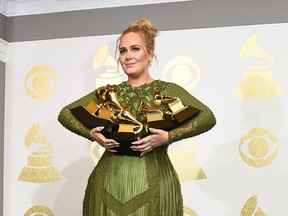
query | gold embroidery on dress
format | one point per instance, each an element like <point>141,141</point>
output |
<point>183,132</point>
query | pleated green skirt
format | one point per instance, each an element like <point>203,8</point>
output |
<point>134,186</point>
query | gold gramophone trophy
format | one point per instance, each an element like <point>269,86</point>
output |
<point>92,115</point>
<point>119,123</point>
<point>176,111</point>
<point>155,118</point>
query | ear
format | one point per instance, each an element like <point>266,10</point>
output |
<point>150,55</point>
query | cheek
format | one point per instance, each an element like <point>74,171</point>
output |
<point>142,58</point>
<point>121,60</point>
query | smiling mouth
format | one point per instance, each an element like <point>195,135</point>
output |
<point>129,65</point>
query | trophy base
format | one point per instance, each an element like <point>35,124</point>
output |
<point>88,119</point>
<point>164,124</point>
<point>185,114</point>
<point>125,140</point>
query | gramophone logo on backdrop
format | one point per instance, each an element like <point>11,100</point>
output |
<point>259,147</point>
<point>110,71</point>
<point>40,168</point>
<point>189,212</point>
<point>96,152</point>
<point>39,210</point>
<point>184,71</point>
<point>184,161</point>
<point>258,78</point>
<point>251,208</point>
<point>41,82</point>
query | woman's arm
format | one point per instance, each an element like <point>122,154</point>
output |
<point>67,119</point>
<point>203,122</point>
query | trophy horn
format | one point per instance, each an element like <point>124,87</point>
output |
<point>109,97</point>
<point>160,98</point>
<point>126,115</point>
<point>251,207</point>
<point>34,136</point>
<point>102,57</point>
<point>250,48</point>
<point>143,107</point>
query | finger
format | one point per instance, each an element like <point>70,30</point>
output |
<point>140,145</point>
<point>146,151</point>
<point>98,129</point>
<point>111,144</point>
<point>146,147</point>
<point>111,141</point>
<point>111,150</point>
<point>142,141</point>
<point>154,130</point>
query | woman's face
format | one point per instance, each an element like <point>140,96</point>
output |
<point>133,55</point>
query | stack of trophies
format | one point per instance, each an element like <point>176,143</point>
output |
<point>121,125</point>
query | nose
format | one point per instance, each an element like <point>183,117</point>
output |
<point>128,55</point>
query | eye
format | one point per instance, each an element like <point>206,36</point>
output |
<point>41,82</point>
<point>39,210</point>
<point>122,51</point>
<point>135,49</point>
<point>258,148</point>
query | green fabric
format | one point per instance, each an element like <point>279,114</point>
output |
<point>138,186</point>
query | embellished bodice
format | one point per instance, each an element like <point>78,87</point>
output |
<point>131,97</point>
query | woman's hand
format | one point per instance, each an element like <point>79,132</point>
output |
<point>157,138</point>
<point>97,136</point>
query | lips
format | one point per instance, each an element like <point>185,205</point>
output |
<point>129,65</point>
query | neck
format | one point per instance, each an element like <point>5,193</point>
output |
<point>139,82</point>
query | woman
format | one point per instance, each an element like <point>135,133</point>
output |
<point>146,185</point>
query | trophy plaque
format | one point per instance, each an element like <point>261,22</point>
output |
<point>180,113</point>
<point>177,112</point>
<point>86,115</point>
<point>124,134</point>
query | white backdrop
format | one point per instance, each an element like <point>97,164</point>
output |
<point>237,168</point>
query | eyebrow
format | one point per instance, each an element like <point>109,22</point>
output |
<point>134,45</point>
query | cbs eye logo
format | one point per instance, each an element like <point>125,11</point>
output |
<point>259,147</point>
<point>39,210</point>
<point>182,70</point>
<point>41,82</point>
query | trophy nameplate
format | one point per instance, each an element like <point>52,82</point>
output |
<point>157,121</point>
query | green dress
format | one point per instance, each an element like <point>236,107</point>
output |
<point>138,186</point>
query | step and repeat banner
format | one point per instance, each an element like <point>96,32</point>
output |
<point>240,167</point>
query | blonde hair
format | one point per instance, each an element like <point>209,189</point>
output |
<point>147,30</point>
